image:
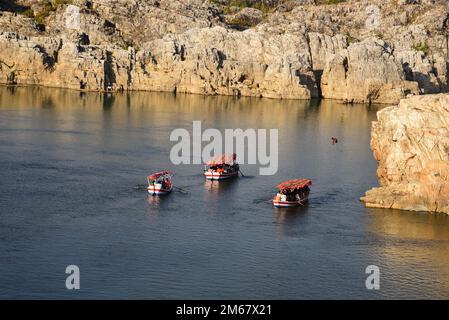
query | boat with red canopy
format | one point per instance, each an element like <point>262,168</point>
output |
<point>292,193</point>
<point>222,167</point>
<point>159,183</point>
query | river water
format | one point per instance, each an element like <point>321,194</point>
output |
<point>69,163</point>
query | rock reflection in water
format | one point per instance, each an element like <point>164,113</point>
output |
<point>415,249</point>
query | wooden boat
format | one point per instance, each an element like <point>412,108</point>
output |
<point>160,183</point>
<point>222,167</point>
<point>292,193</point>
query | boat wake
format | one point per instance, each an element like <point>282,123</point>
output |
<point>326,198</point>
<point>263,200</point>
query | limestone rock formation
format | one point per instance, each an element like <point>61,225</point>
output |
<point>366,72</point>
<point>140,21</point>
<point>220,61</point>
<point>298,49</point>
<point>246,17</point>
<point>411,144</point>
<point>204,61</point>
<point>322,49</point>
<point>13,22</point>
<point>431,73</point>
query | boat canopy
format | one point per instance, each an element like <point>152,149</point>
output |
<point>157,175</point>
<point>222,159</point>
<point>295,184</point>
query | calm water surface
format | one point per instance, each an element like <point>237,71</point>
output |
<point>69,163</point>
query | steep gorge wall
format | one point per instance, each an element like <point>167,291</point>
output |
<point>203,61</point>
<point>297,52</point>
<point>411,144</point>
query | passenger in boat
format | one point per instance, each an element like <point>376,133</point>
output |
<point>281,197</point>
<point>303,192</point>
<point>291,196</point>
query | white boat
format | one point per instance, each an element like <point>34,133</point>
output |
<point>222,167</point>
<point>160,183</point>
<point>292,193</point>
<point>214,175</point>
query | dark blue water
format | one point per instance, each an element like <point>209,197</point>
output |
<point>69,163</point>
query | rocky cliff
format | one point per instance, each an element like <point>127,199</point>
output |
<point>411,144</point>
<point>296,49</point>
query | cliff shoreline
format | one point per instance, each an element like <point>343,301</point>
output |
<point>411,144</point>
<point>351,51</point>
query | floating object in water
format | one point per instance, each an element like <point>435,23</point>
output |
<point>292,193</point>
<point>160,183</point>
<point>222,167</point>
<point>334,140</point>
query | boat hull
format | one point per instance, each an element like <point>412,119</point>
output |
<point>156,191</point>
<point>219,175</point>
<point>281,204</point>
<point>285,204</point>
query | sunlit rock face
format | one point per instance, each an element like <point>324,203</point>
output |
<point>366,72</point>
<point>379,52</point>
<point>221,61</point>
<point>203,61</point>
<point>411,144</point>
